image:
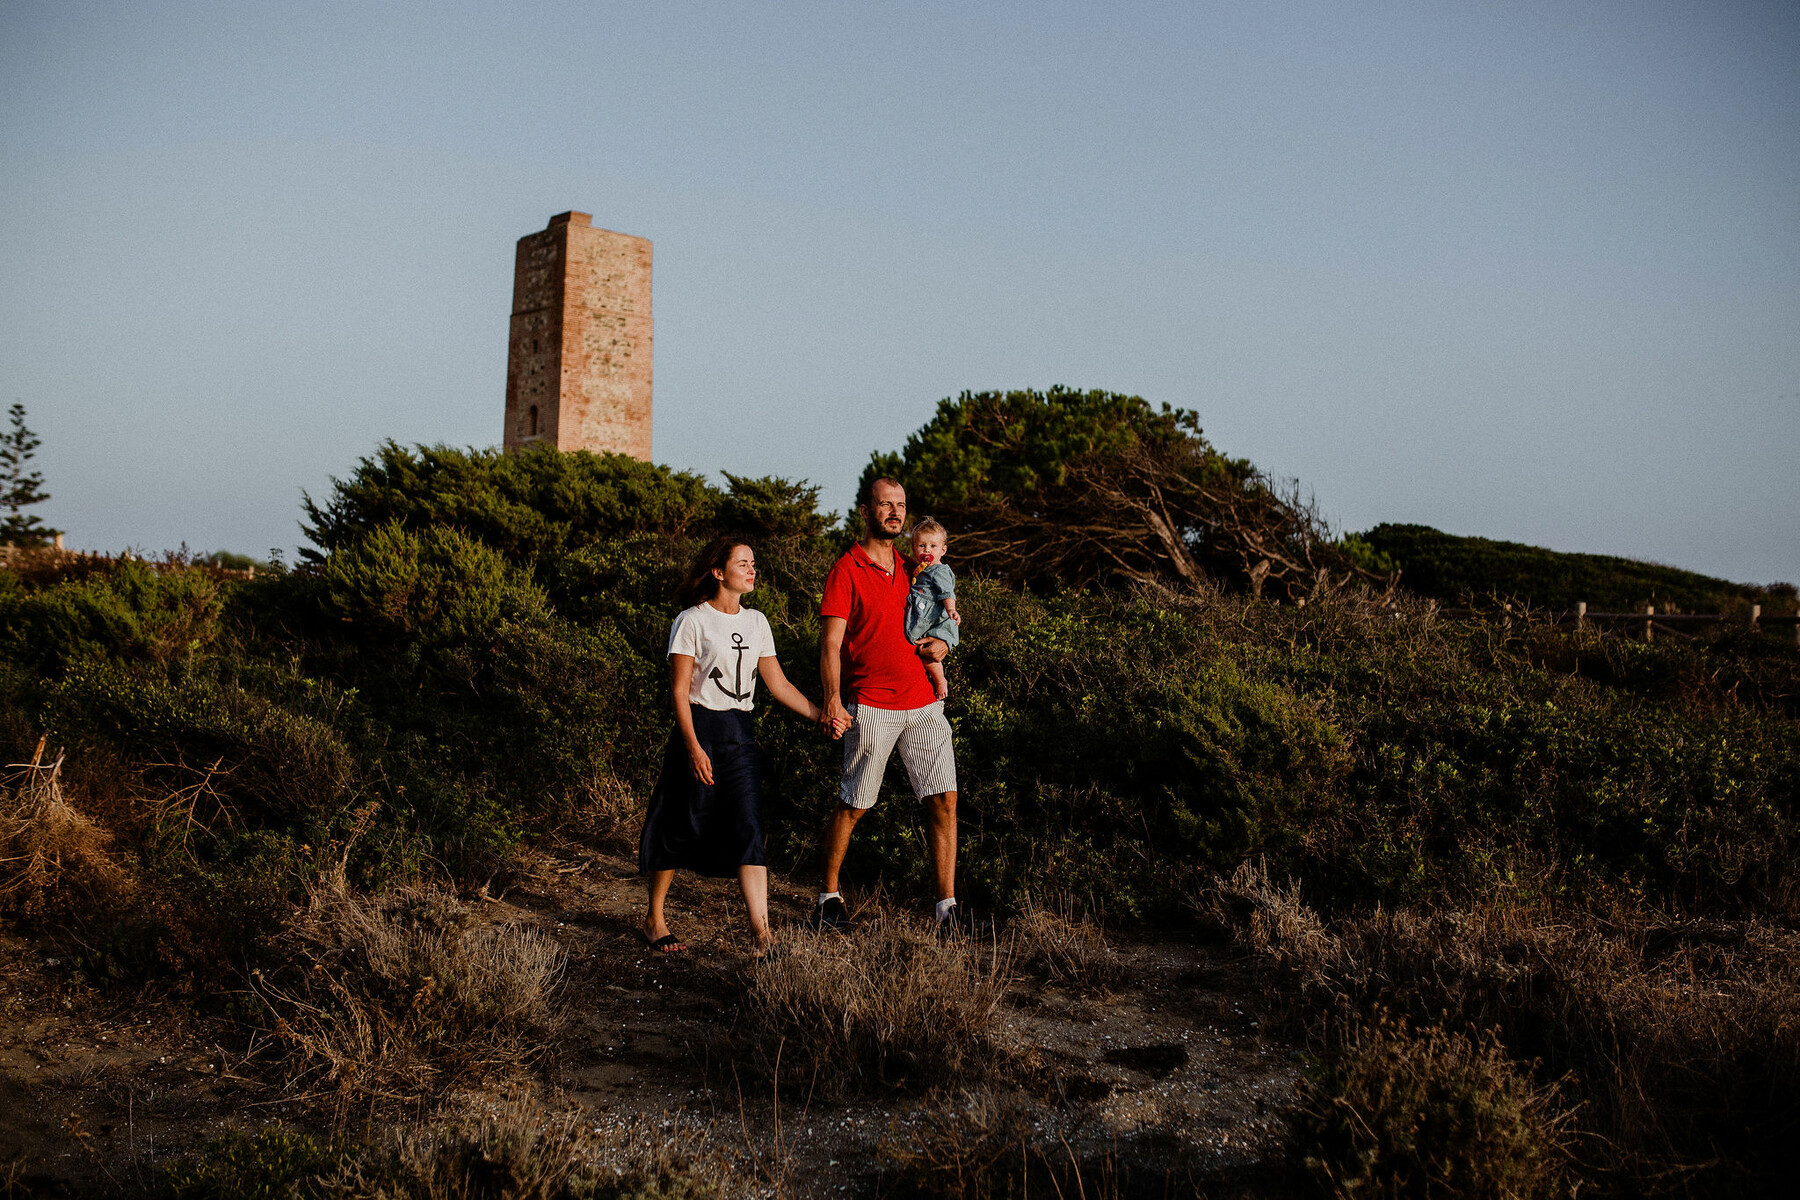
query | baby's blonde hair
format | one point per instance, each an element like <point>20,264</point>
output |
<point>929,525</point>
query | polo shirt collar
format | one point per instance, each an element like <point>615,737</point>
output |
<point>863,555</point>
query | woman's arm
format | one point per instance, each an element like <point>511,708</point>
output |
<point>769,667</point>
<point>681,671</point>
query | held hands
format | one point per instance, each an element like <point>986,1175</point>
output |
<point>835,718</point>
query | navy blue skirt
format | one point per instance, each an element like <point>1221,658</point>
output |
<point>707,830</point>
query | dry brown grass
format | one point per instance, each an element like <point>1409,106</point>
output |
<point>524,1152</point>
<point>986,1149</point>
<point>401,994</point>
<point>607,810</point>
<point>50,852</point>
<point>1062,950</point>
<point>887,1007</point>
<point>1681,1038</point>
<point>518,1150</point>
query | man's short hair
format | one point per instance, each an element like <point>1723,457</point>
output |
<point>865,496</point>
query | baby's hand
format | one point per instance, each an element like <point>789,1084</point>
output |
<point>950,609</point>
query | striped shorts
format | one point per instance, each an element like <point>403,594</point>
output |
<point>923,738</point>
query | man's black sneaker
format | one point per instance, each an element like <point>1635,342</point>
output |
<point>959,923</point>
<point>829,916</point>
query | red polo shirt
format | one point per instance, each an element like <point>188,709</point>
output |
<point>880,667</point>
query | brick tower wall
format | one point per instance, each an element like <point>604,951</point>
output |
<point>580,345</point>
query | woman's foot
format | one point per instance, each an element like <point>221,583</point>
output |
<point>762,945</point>
<point>659,939</point>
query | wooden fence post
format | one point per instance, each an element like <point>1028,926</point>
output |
<point>1755,615</point>
<point>1580,614</point>
<point>1649,632</point>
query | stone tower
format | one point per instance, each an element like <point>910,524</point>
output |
<point>578,363</point>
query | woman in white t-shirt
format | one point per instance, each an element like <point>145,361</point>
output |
<point>706,812</point>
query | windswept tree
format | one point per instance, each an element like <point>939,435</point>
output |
<point>1094,487</point>
<point>20,488</point>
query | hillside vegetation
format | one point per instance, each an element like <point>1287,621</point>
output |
<point>1554,871</point>
<point>1459,570</point>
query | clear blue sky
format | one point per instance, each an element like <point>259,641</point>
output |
<point>1530,271</point>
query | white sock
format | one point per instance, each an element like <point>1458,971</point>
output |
<point>944,907</point>
<point>824,896</point>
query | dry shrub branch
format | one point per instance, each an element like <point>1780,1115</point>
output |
<point>887,1007</point>
<point>406,992</point>
<point>46,843</point>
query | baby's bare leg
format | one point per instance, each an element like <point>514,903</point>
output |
<point>939,683</point>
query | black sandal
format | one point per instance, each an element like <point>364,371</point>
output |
<point>668,943</point>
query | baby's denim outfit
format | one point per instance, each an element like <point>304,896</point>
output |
<point>925,605</point>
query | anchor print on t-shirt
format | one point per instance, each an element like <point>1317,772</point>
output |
<point>738,690</point>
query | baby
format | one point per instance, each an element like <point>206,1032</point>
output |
<point>931,605</point>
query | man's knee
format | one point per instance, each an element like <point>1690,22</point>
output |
<point>943,804</point>
<point>847,814</point>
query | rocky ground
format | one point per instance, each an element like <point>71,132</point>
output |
<point>1168,1073</point>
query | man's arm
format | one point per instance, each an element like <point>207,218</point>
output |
<point>831,673</point>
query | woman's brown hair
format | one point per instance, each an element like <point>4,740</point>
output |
<point>699,586</point>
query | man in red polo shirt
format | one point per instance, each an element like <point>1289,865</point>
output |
<point>878,698</point>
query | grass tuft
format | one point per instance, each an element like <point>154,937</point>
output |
<point>888,1007</point>
<point>407,992</point>
<point>983,1149</point>
<point>1060,950</point>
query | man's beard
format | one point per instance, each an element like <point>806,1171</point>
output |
<point>877,531</point>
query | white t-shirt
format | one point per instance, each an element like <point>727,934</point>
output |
<point>726,648</point>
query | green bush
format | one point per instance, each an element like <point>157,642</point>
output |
<point>264,1164</point>
<point>1394,1113</point>
<point>438,587</point>
<point>527,506</point>
<point>131,612</point>
<point>1460,569</point>
<point>187,725</point>
<point>1066,488</point>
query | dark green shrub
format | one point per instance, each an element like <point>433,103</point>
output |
<point>1461,569</point>
<point>437,587</point>
<point>204,904</point>
<point>265,1164</point>
<point>1398,1113</point>
<point>528,506</point>
<point>130,612</point>
<point>771,507</point>
<point>1067,488</point>
<point>627,582</point>
<point>193,729</point>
